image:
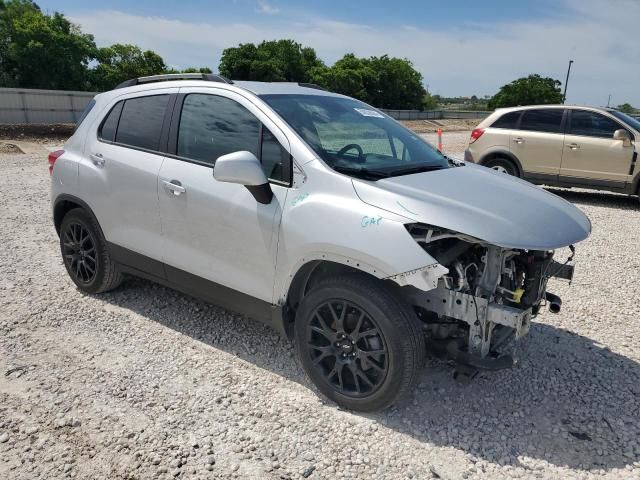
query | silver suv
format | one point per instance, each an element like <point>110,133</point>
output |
<point>315,213</point>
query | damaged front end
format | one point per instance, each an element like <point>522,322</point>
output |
<point>486,301</point>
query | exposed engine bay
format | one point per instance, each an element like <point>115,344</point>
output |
<point>486,301</point>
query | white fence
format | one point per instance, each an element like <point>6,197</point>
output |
<point>21,105</point>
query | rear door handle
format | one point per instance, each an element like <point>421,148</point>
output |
<point>519,140</point>
<point>573,146</point>
<point>97,159</point>
<point>174,186</point>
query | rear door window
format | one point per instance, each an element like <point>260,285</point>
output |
<point>543,120</point>
<point>592,124</point>
<point>141,122</point>
<point>508,121</point>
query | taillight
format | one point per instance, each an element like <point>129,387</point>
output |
<point>476,134</point>
<point>53,156</point>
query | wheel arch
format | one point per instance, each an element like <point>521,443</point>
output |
<point>63,204</point>
<point>492,153</point>
<point>307,276</point>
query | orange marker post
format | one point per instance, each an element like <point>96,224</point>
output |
<point>439,139</point>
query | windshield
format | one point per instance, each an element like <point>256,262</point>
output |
<point>632,122</point>
<point>355,139</point>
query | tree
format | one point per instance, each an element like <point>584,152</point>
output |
<point>397,85</point>
<point>626,108</point>
<point>196,70</point>
<point>270,61</point>
<point>41,51</point>
<point>386,82</point>
<point>119,62</point>
<point>350,76</point>
<point>531,90</point>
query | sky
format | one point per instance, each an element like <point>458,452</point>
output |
<point>461,47</point>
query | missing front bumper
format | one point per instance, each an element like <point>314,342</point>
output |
<point>491,326</point>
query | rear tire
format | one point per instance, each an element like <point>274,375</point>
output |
<point>502,165</point>
<point>85,254</point>
<point>359,343</point>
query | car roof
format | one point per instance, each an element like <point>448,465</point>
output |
<point>257,88</point>
<point>529,107</point>
<point>282,88</point>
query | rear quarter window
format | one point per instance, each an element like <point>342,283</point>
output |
<point>107,130</point>
<point>86,111</point>
<point>508,120</point>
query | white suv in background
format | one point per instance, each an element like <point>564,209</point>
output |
<point>561,145</point>
<point>316,214</point>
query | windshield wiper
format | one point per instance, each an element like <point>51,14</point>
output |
<point>361,172</point>
<point>414,169</point>
<point>454,162</point>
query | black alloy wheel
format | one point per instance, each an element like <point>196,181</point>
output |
<point>359,341</point>
<point>79,252</point>
<point>348,348</point>
<point>85,253</point>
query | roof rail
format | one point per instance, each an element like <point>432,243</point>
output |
<point>208,77</point>
<point>311,85</point>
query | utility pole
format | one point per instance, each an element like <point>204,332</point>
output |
<point>609,101</point>
<point>564,95</point>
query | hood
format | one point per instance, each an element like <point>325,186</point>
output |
<point>480,202</point>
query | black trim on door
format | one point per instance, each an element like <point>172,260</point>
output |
<point>142,266</point>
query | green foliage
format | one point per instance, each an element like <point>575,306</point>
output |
<point>270,61</point>
<point>195,70</point>
<point>461,103</point>
<point>626,108</point>
<point>429,102</point>
<point>531,90</point>
<point>385,82</point>
<point>118,63</point>
<point>41,51</point>
<point>48,51</point>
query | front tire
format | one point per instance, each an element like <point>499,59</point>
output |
<point>85,254</point>
<point>502,165</point>
<point>359,343</point>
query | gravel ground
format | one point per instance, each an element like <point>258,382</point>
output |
<point>453,143</point>
<point>147,383</point>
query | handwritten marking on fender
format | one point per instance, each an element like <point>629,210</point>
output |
<point>370,221</point>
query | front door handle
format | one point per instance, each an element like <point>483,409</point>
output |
<point>519,140</point>
<point>174,186</point>
<point>573,146</point>
<point>97,159</point>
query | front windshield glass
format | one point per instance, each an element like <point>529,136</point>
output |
<point>632,122</point>
<point>355,139</point>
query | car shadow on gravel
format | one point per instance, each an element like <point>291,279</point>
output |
<point>571,402</point>
<point>597,199</point>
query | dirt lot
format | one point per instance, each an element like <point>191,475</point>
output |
<point>147,383</point>
<point>447,125</point>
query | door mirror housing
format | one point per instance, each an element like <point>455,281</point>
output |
<point>245,169</point>
<point>624,136</point>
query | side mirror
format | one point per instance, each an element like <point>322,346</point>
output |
<point>245,169</point>
<point>624,136</point>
